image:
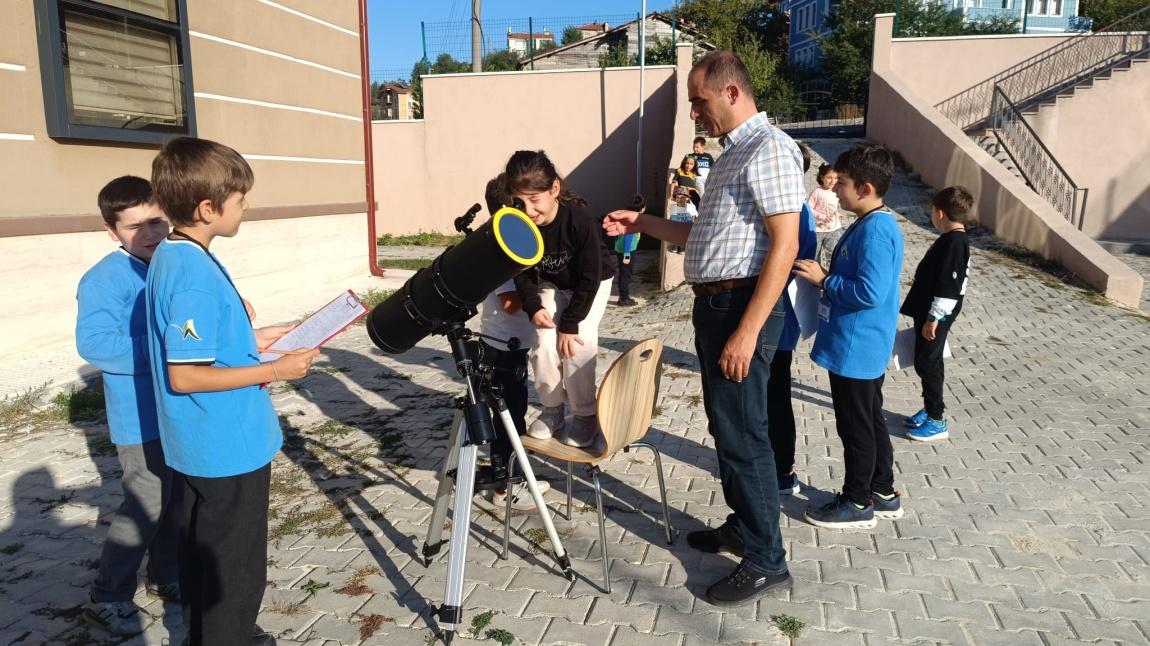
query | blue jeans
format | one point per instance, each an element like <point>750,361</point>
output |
<point>737,419</point>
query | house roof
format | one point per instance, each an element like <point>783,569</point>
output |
<point>654,15</point>
<point>594,26</point>
<point>540,35</point>
<point>398,88</point>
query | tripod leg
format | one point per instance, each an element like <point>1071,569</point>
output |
<point>450,614</point>
<point>561,556</point>
<point>434,541</point>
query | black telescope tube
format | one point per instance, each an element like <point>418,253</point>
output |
<point>458,280</point>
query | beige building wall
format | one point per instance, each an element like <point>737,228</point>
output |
<point>1105,155</point>
<point>279,82</point>
<point>944,155</point>
<point>428,173</point>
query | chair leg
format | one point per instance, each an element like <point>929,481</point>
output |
<point>569,482</point>
<point>662,488</point>
<point>507,512</point>
<point>602,527</point>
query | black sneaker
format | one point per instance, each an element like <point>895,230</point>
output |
<point>628,302</point>
<point>788,484</point>
<point>744,585</point>
<point>720,539</point>
<point>841,513</point>
<point>887,507</point>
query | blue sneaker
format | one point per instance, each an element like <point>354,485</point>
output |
<point>841,513</point>
<point>887,507</point>
<point>788,484</point>
<point>916,420</point>
<point>931,430</point>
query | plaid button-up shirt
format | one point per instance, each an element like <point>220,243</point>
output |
<point>759,174</point>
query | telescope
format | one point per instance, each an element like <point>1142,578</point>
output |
<point>446,293</point>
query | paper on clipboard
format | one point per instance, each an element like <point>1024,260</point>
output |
<point>903,355</point>
<point>320,327</point>
<point>805,302</point>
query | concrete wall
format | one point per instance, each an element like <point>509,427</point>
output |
<point>1105,155</point>
<point>280,87</point>
<point>938,68</point>
<point>429,172</point>
<point>944,155</point>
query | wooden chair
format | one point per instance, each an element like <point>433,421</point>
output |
<point>625,404</point>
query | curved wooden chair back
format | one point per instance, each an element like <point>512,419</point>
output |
<point>626,400</point>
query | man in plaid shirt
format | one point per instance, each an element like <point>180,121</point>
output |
<point>739,256</point>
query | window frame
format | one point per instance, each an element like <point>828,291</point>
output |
<point>50,39</point>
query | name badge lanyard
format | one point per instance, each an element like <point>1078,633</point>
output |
<point>849,231</point>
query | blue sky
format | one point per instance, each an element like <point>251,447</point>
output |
<point>394,34</point>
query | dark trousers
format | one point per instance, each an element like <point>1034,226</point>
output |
<point>867,452</point>
<point>623,277</point>
<point>737,419</point>
<point>780,413</point>
<point>223,555</point>
<point>511,376</point>
<point>928,365</point>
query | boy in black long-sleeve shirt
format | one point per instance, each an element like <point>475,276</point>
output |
<point>934,302</point>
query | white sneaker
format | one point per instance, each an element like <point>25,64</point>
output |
<point>549,424</point>
<point>521,499</point>
<point>584,431</point>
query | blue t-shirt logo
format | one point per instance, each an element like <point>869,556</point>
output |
<point>189,330</point>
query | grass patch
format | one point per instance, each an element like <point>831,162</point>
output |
<point>100,445</point>
<point>22,408</point>
<point>11,548</point>
<point>790,626</point>
<point>312,587</point>
<point>355,585</point>
<point>84,405</point>
<point>327,519</point>
<point>419,239</point>
<point>288,609</point>
<point>481,621</point>
<point>369,624</point>
<point>499,635</point>
<point>414,264</point>
<point>330,430</point>
<point>373,297</point>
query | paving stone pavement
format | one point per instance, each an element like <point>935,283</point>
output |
<point>1031,525</point>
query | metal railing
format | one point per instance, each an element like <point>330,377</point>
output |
<point>1054,70</point>
<point>1033,159</point>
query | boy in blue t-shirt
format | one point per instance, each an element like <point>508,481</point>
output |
<point>858,314</point>
<point>217,423</point>
<point>112,335</point>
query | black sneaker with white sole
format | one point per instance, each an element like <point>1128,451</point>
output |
<point>887,507</point>
<point>842,513</point>
<point>746,584</point>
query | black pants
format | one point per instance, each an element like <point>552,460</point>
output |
<point>223,554</point>
<point>623,276</point>
<point>511,376</point>
<point>867,452</point>
<point>928,365</point>
<point>779,411</point>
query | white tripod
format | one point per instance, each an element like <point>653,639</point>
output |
<point>472,428</point>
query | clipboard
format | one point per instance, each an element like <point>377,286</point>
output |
<point>903,355</point>
<point>320,327</point>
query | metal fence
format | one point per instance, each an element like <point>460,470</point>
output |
<point>1034,160</point>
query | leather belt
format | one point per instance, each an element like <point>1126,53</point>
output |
<point>720,286</point>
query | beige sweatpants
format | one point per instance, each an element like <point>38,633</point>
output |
<point>571,380</point>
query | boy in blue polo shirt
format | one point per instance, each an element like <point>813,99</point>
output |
<point>112,335</point>
<point>217,422</point>
<point>858,314</point>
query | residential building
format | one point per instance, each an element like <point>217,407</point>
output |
<point>395,101</point>
<point>586,53</point>
<point>593,29</point>
<point>808,21</point>
<point>520,42</point>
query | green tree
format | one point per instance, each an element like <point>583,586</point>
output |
<point>446,64</point>
<point>1106,12</point>
<point>417,72</point>
<point>615,56</point>
<point>503,60</point>
<point>659,52</point>
<point>572,35</point>
<point>727,23</point>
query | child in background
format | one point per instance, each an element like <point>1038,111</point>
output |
<point>934,302</point>
<point>112,335</point>
<point>625,245</point>
<point>779,410</point>
<point>218,427</point>
<point>858,314</point>
<point>502,318</point>
<point>828,220</point>
<point>680,210</point>
<point>703,162</point>
<point>565,295</point>
<point>686,178</point>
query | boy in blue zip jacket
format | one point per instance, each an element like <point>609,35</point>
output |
<point>858,315</point>
<point>112,335</point>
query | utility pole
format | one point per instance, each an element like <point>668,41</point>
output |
<point>476,38</point>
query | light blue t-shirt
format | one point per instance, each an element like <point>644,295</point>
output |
<point>858,312</point>
<point>196,316</point>
<point>112,335</point>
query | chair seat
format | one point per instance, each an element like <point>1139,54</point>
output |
<point>554,448</point>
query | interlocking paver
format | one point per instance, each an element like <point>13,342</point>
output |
<point>1030,525</point>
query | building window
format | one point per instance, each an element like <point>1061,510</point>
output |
<point>1044,7</point>
<point>117,70</point>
